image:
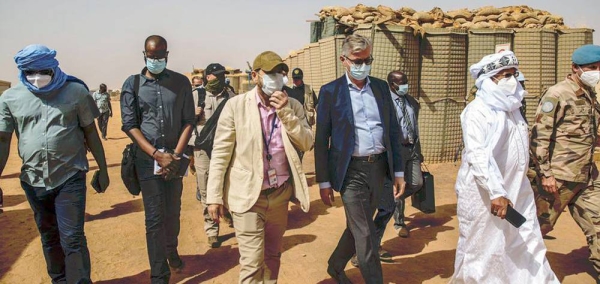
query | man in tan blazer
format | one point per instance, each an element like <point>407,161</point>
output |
<point>255,169</point>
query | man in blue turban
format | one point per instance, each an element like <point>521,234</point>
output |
<point>53,115</point>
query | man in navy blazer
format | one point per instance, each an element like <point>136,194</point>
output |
<point>357,145</point>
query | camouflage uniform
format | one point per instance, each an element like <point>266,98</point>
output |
<point>563,139</point>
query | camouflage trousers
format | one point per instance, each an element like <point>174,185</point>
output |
<point>583,200</point>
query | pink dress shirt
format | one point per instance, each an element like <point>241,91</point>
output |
<point>279,160</point>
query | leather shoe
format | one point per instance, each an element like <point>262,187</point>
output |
<point>339,277</point>
<point>402,232</point>
<point>176,264</point>
<point>385,256</point>
<point>213,242</point>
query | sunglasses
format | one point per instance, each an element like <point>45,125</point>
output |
<point>41,72</point>
<point>367,61</point>
<point>508,75</point>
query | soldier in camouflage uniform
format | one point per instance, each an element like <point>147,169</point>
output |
<point>563,138</point>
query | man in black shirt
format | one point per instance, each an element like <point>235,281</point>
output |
<point>165,109</point>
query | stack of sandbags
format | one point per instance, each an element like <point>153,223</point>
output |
<point>485,17</point>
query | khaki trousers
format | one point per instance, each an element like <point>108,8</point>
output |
<point>583,200</point>
<point>202,163</point>
<point>259,232</point>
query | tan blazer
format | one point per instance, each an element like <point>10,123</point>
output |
<point>236,167</point>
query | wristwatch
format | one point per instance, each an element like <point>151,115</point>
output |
<point>176,154</point>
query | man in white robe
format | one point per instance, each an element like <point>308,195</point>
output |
<point>491,178</point>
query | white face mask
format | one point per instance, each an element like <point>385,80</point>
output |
<point>359,72</point>
<point>590,78</point>
<point>402,89</point>
<point>38,80</point>
<point>272,83</point>
<point>285,80</point>
<point>508,85</point>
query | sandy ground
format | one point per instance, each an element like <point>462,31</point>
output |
<point>116,236</point>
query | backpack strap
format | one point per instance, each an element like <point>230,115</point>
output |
<point>136,90</point>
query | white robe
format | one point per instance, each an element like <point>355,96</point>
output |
<point>494,163</point>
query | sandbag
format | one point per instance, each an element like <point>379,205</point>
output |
<point>523,16</point>
<point>423,17</point>
<point>506,17</point>
<point>478,19</point>
<point>531,21</point>
<point>489,10</point>
<point>492,17</point>
<point>460,14</point>
<point>509,25</point>
<point>407,10</point>
<point>386,11</point>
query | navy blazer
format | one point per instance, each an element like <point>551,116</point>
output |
<point>335,136</point>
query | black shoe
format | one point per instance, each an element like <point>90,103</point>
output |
<point>213,242</point>
<point>198,195</point>
<point>385,256</point>
<point>340,277</point>
<point>176,264</point>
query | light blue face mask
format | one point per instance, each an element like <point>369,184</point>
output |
<point>156,66</point>
<point>360,72</point>
<point>402,89</point>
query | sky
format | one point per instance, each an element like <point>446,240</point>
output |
<point>102,41</point>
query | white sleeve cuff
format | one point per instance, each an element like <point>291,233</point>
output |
<point>399,174</point>
<point>324,185</point>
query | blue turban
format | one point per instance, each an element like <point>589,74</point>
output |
<point>586,54</point>
<point>39,57</point>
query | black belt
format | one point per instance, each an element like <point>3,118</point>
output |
<point>408,144</point>
<point>370,158</point>
<point>268,191</point>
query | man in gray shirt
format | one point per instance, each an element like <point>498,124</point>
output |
<point>159,118</point>
<point>53,117</point>
<point>102,99</point>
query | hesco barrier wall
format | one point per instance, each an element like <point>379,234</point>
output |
<point>315,67</point>
<point>536,51</point>
<point>439,129</point>
<point>330,52</point>
<point>482,42</point>
<point>306,66</point>
<point>300,59</point>
<point>437,62</point>
<point>531,104</point>
<point>394,48</point>
<point>568,41</point>
<point>443,63</point>
<point>293,63</point>
<point>288,62</point>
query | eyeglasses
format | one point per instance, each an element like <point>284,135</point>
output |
<point>367,61</point>
<point>41,72</point>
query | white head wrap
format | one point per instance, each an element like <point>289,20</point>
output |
<point>488,91</point>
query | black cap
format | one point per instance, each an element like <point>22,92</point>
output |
<point>297,73</point>
<point>215,69</point>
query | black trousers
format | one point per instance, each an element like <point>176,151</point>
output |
<point>59,215</point>
<point>162,207</point>
<point>360,195</point>
<point>103,123</point>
